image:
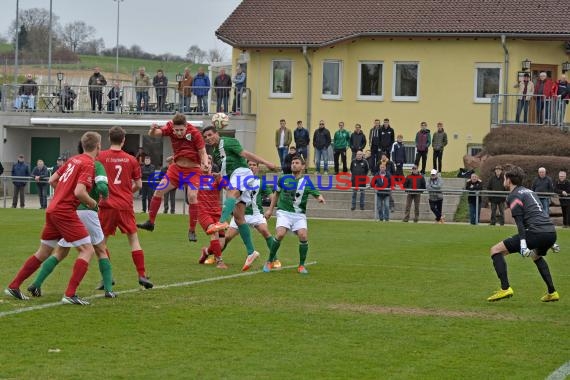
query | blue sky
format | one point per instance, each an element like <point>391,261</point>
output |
<point>163,26</point>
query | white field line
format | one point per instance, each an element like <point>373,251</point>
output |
<point>158,287</point>
<point>561,373</point>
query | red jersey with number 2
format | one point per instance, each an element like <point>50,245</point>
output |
<point>122,169</point>
<point>78,169</point>
<point>187,146</point>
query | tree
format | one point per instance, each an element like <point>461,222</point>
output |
<point>92,47</point>
<point>195,54</point>
<point>36,23</point>
<point>215,55</point>
<point>76,33</point>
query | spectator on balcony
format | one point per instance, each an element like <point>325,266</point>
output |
<point>27,94</point>
<point>142,84</point>
<point>200,88</point>
<point>96,83</point>
<point>160,83</point>
<point>239,82</point>
<point>66,98</point>
<point>185,91</point>
<point>525,91</point>
<point>545,89</point>
<point>563,91</point>
<point>543,184</point>
<point>222,84</point>
<point>41,175</point>
<point>19,169</point>
<point>115,98</point>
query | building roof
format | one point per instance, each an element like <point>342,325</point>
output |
<point>281,23</point>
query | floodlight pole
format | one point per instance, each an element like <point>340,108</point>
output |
<point>117,48</point>
<point>17,42</point>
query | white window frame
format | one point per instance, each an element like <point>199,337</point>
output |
<point>374,98</point>
<point>476,75</point>
<point>331,96</point>
<point>471,147</point>
<point>405,98</point>
<point>280,94</point>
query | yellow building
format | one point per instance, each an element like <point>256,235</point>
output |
<point>409,61</point>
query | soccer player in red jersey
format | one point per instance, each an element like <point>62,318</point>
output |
<point>72,183</point>
<point>209,212</point>
<point>190,159</point>
<point>124,177</point>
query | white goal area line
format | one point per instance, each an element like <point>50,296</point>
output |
<point>561,373</point>
<point>157,287</point>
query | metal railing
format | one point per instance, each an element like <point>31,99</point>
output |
<point>532,110</point>
<point>132,100</point>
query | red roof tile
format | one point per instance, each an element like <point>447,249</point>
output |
<point>322,22</point>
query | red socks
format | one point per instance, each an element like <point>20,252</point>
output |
<point>138,260</point>
<point>193,213</point>
<point>29,267</point>
<point>215,248</point>
<point>79,269</point>
<point>155,203</point>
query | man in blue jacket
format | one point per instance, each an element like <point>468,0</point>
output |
<point>200,88</point>
<point>20,169</point>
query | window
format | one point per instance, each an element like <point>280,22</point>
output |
<point>332,75</point>
<point>281,73</point>
<point>473,150</point>
<point>406,81</point>
<point>487,81</point>
<point>410,149</point>
<point>371,81</point>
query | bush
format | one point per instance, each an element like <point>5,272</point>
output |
<point>529,164</point>
<point>530,141</point>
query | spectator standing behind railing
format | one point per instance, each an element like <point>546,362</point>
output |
<point>415,184</point>
<point>96,83</point>
<point>543,184</point>
<point>359,170</point>
<point>398,154</point>
<point>169,197</point>
<point>20,169</point>
<point>160,83</point>
<point>115,98</point>
<point>383,186</point>
<point>185,91</point>
<point>239,82</point>
<point>142,84</point>
<point>438,142</point>
<point>434,185</point>
<point>147,172</point>
<point>525,91</point>
<point>66,98</point>
<point>200,88</point>
<point>545,89</point>
<point>474,186</point>
<point>27,94</point>
<point>41,175</point>
<point>563,91</point>
<point>496,183</point>
<point>562,188</point>
<point>222,84</point>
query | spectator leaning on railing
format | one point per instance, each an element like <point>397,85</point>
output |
<point>543,184</point>
<point>200,88</point>
<point>142,84</point>
<point>40,174</point>
<point>222,84</point>
<point>185,90</point>
<point>27,94</point>
<point>96,83</point>
<point>239,82</point>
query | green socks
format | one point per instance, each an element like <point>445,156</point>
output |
<point>303,249</point>
<point>47,267</point>
<point>245,234</point>
<point>269,242</point>
<point>229,206</point>
<point>275,244</point>
<point>107,274</point>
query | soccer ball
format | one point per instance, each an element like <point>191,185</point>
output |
<point>220,120</point>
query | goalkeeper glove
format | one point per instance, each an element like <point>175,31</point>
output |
<point>525,252</point>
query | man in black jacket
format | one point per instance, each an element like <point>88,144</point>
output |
<point>359,170</point>
<point>497,200</point>
<point>147,171</point>
<point>357,141</point>
<point>415,184</point>
<point>321,143</point>
<point>387,137</point>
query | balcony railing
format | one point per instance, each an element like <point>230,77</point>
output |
<point>533,110</point>
<point>131,100</point>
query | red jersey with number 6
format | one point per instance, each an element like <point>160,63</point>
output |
<point>78,169</point>
<point>122,169</point>
<point>187,146</point>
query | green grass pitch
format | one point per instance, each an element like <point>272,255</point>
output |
<point>383,301</point>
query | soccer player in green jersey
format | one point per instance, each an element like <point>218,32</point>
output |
<point>242,185</point>
<point>291,197</point>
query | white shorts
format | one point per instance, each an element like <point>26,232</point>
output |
<point>290,220</point>
<point>91,221</point>
<point>242,179</point>
<point>251,220</point>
